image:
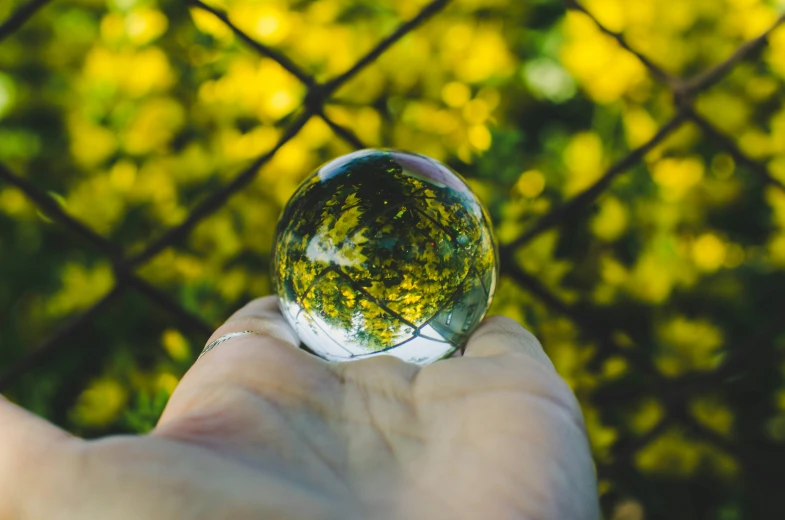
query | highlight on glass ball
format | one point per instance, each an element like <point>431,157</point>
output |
<point>384,252</point>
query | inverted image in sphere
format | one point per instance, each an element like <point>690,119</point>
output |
<point>384,252</point>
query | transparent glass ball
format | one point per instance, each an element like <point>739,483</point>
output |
<point>384,252</point>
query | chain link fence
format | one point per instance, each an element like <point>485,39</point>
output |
<point>674,392</point>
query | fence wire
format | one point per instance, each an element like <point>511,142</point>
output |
<point>683,91</point>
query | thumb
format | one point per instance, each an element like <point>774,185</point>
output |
<point>28,445</point>
<point>556,425</point>
<point>499,335</point>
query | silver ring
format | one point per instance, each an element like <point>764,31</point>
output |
<point>225,337</point>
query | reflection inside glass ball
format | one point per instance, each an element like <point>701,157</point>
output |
<point>384,252</point>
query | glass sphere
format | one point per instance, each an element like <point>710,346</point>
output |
<point>384,252</point>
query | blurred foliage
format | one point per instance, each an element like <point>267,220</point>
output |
<point>130,112</point>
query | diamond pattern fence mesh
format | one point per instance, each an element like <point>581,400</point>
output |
<point>619,475</point>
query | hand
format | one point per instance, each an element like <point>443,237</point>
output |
<point>258,429</point>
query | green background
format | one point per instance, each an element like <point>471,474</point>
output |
<point>657,292</point>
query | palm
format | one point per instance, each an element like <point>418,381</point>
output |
<point>461,438</point>
<point>261,430</point>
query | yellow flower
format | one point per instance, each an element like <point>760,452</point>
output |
<point>100,403</point>
<point>176,345</point>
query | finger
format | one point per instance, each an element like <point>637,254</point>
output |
<point>266,363</point>
<point>559,420</point>
<point>499,335</point>
<point>27,443</point>
<point>261,316</point>
<point>505,353</point>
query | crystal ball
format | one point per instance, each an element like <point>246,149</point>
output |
<point>384,252</point>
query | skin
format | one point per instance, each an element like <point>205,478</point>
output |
<point>258,429</point>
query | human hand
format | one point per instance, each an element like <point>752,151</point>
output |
<point>258,429</point>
